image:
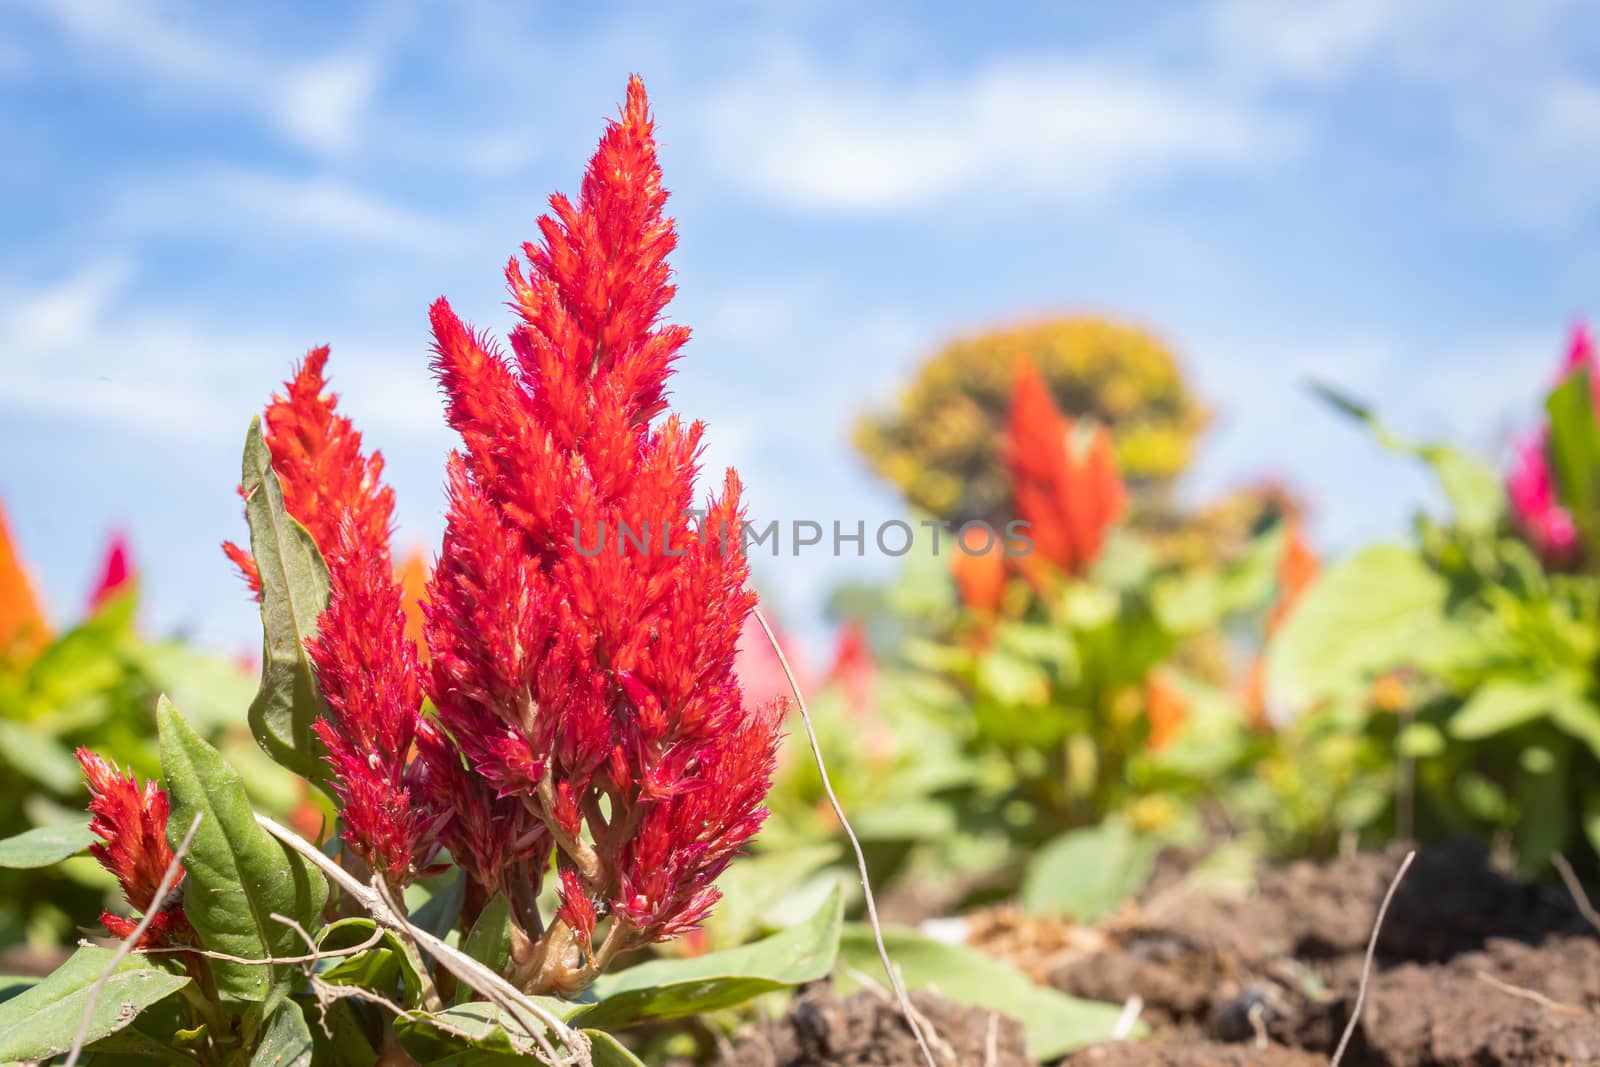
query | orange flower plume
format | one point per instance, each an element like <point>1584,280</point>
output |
<point>413,577</point>
<point>116,573</point>
<point>1298,567</point>
<point>24,631</point>
<point>1166,709</point>
<point>1069,496</point>
<point>980,577</point>
<point>131,821</point>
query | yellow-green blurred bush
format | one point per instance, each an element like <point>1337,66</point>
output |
<point>940,444</point>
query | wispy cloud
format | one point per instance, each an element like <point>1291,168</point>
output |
<point>318,104</point>
<point>226,202</point>
<point>1056,125</point>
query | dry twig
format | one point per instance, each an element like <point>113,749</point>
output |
<point>1366,964</point>
<point>1530,994</point>
<point>906,1009</point>
<point>1575,887</point>
<point>530,1016</point>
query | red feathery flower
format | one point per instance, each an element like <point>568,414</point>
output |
<point>365,662</point>
<point>131,820</point>
<point>583,629</point>
<point>1069,495</point>
<point>115,574</point>
<point>316,455</point>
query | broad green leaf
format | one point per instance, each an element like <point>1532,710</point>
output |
<point>475,1034</point>
<point>286,1041</point>
<point>1579,718</point>
<point>1504,703</point>
<point>39,757</point>
<point>1055,1023</point>
<point>238,875</point>
<point>489,940</point>
<point>1472,486</point>
<point>607,1051</point>
<point>1575,450</point>
<point>1366,614</point>
<point>670,989</point>
<point>1087,873</point>
<point>387,964</point>
<point>45,845</point>
<point>44,1021</point>
<point>294,592</point>
<point>438,916</point>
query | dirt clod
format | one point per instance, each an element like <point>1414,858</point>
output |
<point>821,1029</point>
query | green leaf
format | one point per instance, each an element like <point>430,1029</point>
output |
<point>45,845</point>
<point>1366,614</point>
<point>489,940</point>
<point>671,989</point>
<point>238,874</point>
<point>1472,486</point>
<point>40,757</point>
<point>44,1021</point>
<point>607,1051</point>
<point>1575,450</point>
<point>1502,704</point>
<point>286,1041</point>
<point>438,916</point>
<point>294,592</point>
<point>1055,1023</point>
<point>1087,873</point>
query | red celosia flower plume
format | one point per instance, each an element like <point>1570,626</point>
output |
<point>582,626</point>
<point>1069,495</point>
<point>131,820</point>
<point>366,665</point>
<point>316,455</point>
<point>116,573</point>
<point>24,631</point>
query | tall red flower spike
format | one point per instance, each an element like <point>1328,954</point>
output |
<point>116,573</point>
<point>1069,495</point>
<point>316,455</point>
<point>366,664</point>
<point>582,625</point>
<point>131,821</point>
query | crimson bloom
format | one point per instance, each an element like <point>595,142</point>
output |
<point>587,703</point>
<point>596,687</point>
<point>116,573</point>
<point>1531,485</point>
<point>1069,495</point>
<point>131,821</point>
<point>366,664</point>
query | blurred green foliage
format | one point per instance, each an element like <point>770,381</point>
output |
<point>96,685</point>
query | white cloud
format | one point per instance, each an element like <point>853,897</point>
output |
<point>1060,127</point>
<point>222,201</point>
<point>316,104</point>
<point>1313,43</point>
<point>322,105</point>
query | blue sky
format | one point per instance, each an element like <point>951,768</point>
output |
<point>1400,198</point>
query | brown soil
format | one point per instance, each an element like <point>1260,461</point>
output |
<point>1472,969</point>
<point>820,1029</point>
